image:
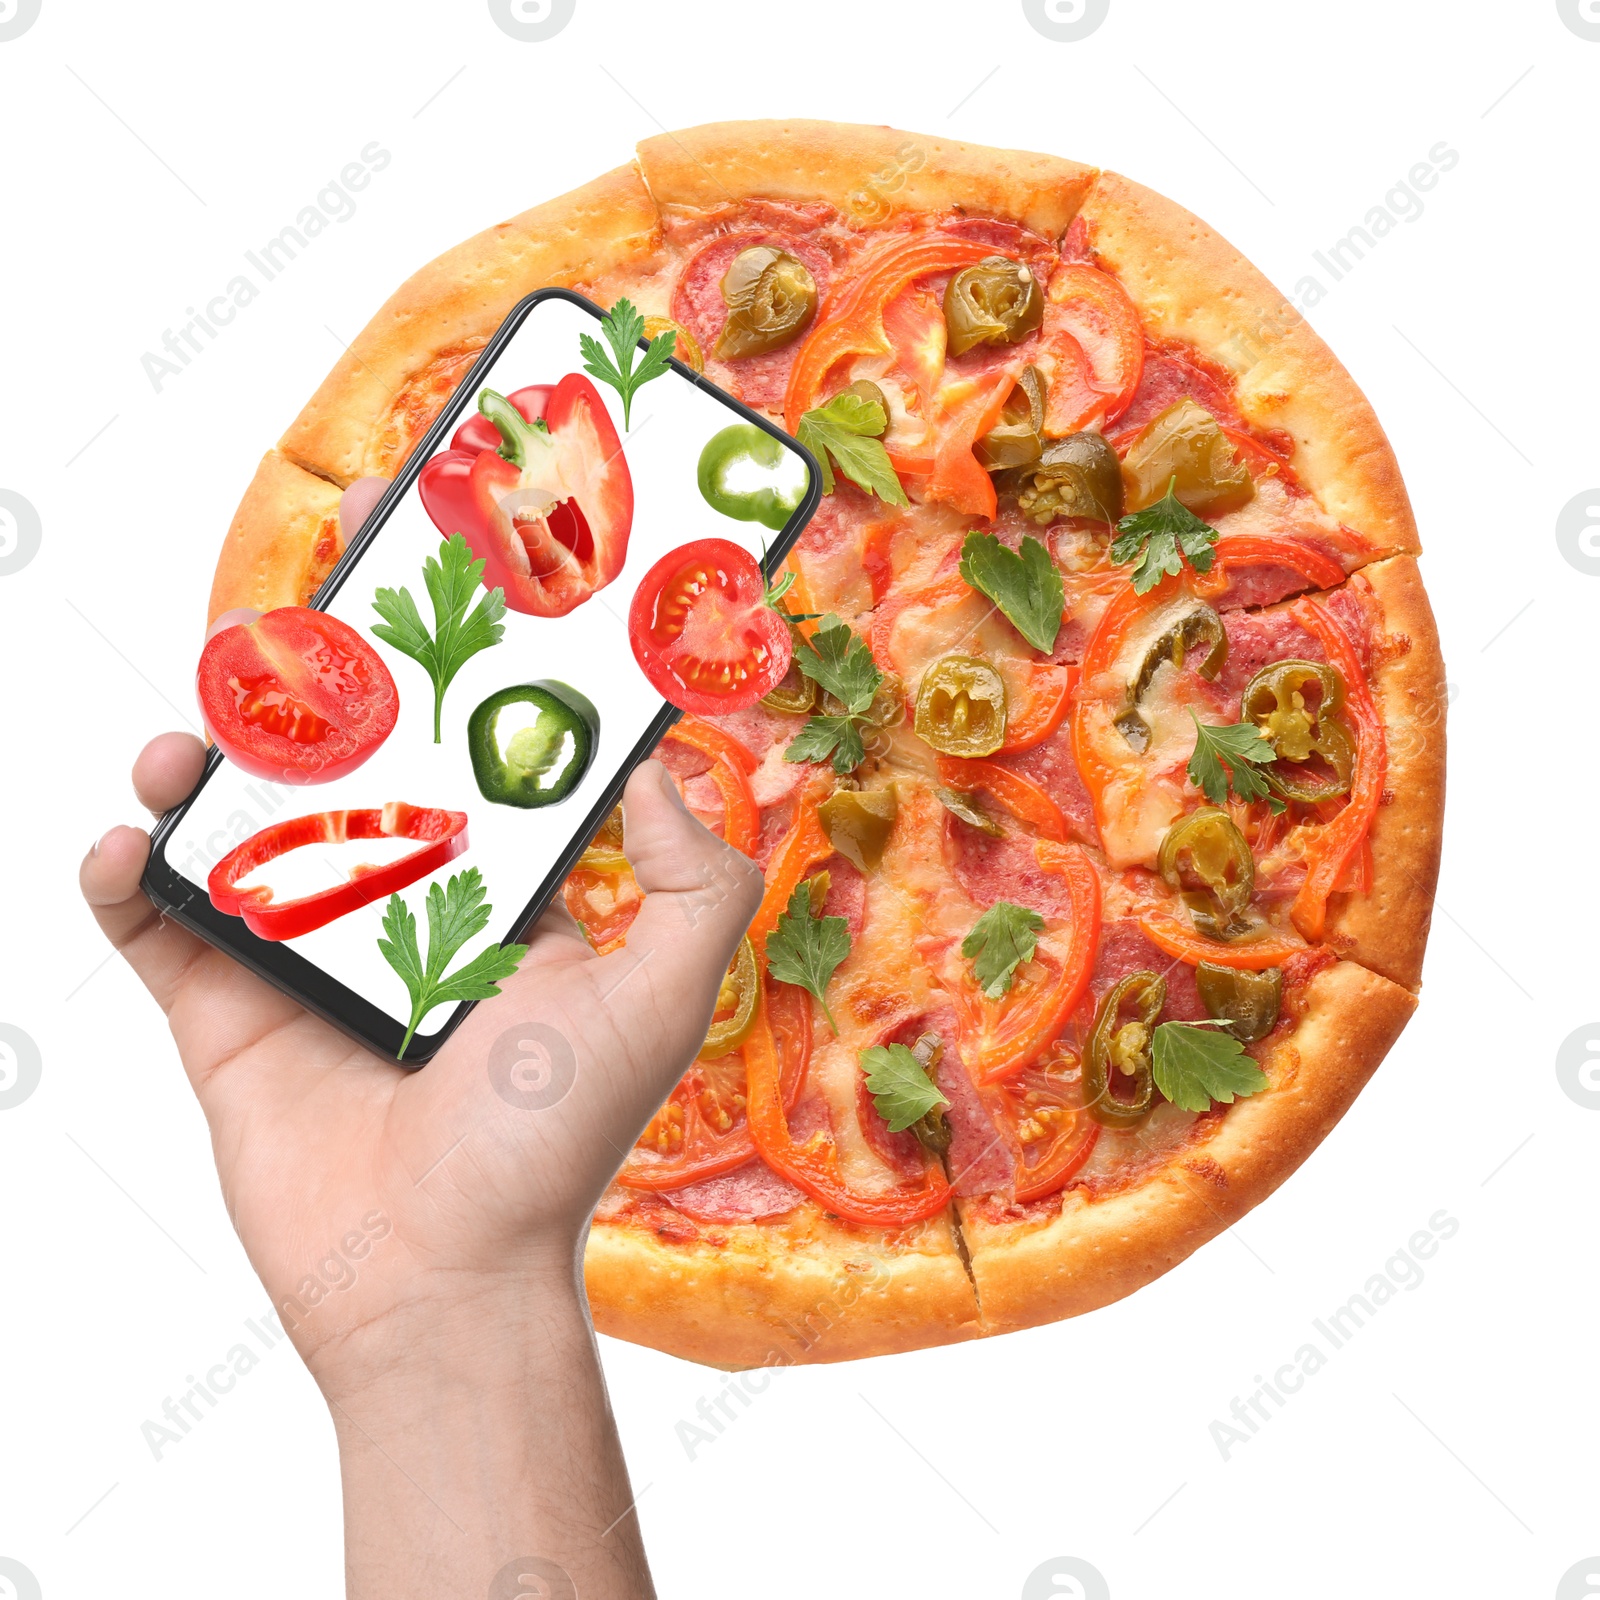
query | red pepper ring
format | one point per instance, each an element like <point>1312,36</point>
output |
<point>443,835</point>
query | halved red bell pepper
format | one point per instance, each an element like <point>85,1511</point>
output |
<point>441,836</point>
<point>538,487</point>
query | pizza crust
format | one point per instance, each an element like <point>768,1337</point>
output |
<point>1387,928</point>
<point>1095,1251</point>
<point>1192,285</point>
<point>271,555</point>
<point>451,307</point>
<point>799,1290</point>
<point>869,174</point>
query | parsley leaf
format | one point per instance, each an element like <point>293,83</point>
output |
<point>452,581</point>
<point>806,949</point>
<point>1026,585</point>
<point>847,434</point>
<point>901,1090</point>
<point>1004,937</point>
<point>623,327</point>
<point>1166,532</point>
<point>835,739</point>
<point>1228,754</point>
<point>841,663</point>
<point>1194,1066</point>
<point>456,914</point>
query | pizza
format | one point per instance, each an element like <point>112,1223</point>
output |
<point>1100,809</point>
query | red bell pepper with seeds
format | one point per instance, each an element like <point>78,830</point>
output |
<point>537,485</point>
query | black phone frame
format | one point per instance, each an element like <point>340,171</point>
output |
<point>318,991</point>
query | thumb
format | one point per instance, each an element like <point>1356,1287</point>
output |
<point>700,893</point>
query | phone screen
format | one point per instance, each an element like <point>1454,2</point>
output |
<point>512,763</point>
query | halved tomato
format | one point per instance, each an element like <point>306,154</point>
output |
<point>703,631</point>
<point>537,485</point>
<point>296,696</point>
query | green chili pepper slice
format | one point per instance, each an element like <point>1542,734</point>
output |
<point>961,707</point>
<point>1201,626</point>
<point>771,299</point>
<point>858,823</point>
<point>531,744</point>
<point>1247,1002</point>
<point>996,301</point>
<point>1018,437</point>
<point>1187,443</point>
<point>1079,476</point>
<point>1123,1048</point>
<point>735,1015</point>
<point>1205,854</point>
<point>1296,704</point>
<point>738,473</point>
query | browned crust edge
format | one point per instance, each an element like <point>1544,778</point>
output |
<point>1386,929</point>
<point>1193,285</point>
<point>868,173</point>
<point>266,559</point>
<point>798,1291</point>
<point>1097,1251</point>
<point>461,297</point>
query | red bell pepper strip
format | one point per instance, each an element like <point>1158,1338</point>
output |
<point>800,849</point>
<point>1048,700</point>
<point>1167,931</point>
<point>814,1165</point>
<point>1275,550</point>
<point>1024,800</point>
<point>1011,1032</point>
<point>851,323</point>
<point>441,836</point>
<point>705,1153</point>
<point>1337,844</point>
<point>538,487</point>
<point>741,825</point>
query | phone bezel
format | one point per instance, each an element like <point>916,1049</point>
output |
<point>318,991</point>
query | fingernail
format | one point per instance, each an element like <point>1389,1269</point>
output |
<point>94,849</point>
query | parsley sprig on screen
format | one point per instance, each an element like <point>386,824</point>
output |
<point>847,433</point>
<point>842,664</point>
<point>1194,1065</point>
<point>1162,536</point>
<point>452,581</point>
<point>1025,584</point>
<point>1002,939</point>
<point>1226,756</point>
<point>623,327</point>
<point>805,947</point>
<point>900,1086</point>
<point>456,914</point>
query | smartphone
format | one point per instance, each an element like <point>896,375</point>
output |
<point>461,791</point>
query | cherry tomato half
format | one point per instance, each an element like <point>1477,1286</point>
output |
<point>703,632</point>
<point>296,696</point>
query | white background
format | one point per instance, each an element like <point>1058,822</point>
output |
<point>588,649</point>
<point>1447,1447</point>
